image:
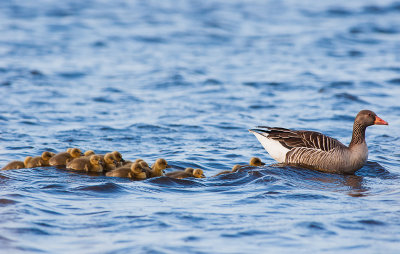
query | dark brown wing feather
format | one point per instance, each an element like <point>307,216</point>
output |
<point>308,139</point>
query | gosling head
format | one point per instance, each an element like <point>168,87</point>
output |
<point>118,156</point>
<point>256,162</point>
<point>137,169</point>
<point>109,158</point>
<point>198,173</point>
<point>89,153</point>
<point>47,156</point>
<point>95,160</point>
<point>75,152</point>
<point>161,164</point>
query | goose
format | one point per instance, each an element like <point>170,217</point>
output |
<point>135,171</point>
<point>188,172</point>
<point>256,162</point>
<point>92,164</point>
<point>157,169</point>
<point>109,161</point>
<point>17,164</point>
<point>314,150</point>
<point>61,159</point>
<point>87,153</point>
<point>118,158</point>
<point>40,161</point>
<point>235,168</point>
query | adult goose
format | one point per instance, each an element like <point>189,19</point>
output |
<point>316,151</point>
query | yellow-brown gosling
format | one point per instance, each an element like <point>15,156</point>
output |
<point>188,172</point>
<point>61,159</point>
<point>198,173</point>
<point>234,169</point>
<point>256,162</point>
<point>109,162</point>
<point>135,171</point>
<point>160,163</point>
<point>88,153</point>
<point>157,169</point>
<point>92,164</point>
<point>17,164</point>
<point>177,174</point>
<point>40,161</point>
<point>118,158</point>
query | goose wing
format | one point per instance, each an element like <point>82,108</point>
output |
<point>300,138</point>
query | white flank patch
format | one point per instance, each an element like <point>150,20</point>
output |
<point>273,147</point>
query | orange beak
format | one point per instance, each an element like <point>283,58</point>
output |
<point>380,121</point>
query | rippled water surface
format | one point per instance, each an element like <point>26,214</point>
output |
<point>184,80</point>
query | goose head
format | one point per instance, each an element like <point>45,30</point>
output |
<point>109,158</point>
<point>89,153</point>
<point>47,155</point>
<point>198,173</point>
<point>367,118</point>
<point>161,164</point>
<point>118,156</point>
<point>95,160</point>
<point>256,162</point>
<point>75,152</point>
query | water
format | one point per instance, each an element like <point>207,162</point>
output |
<point>184,80</point>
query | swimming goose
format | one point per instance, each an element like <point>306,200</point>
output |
<point>40,161</point>
<point>118,157</point>
<point>234,169</point>
<point>157,169</point>
<point>88,153</point>
<point>61,159</point>
<point>316,151</point>
<point>92,164</point>
<point>135,171</point>
<point>256,162</point>
<point>188,172</point>
<point>17,164</point>
<point>109,162</point>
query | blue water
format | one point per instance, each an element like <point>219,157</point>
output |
<point>184,80</point>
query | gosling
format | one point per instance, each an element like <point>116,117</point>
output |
<point>188,172</point>
<point>118,158</point>
<point>234,169</point>
<point>135,171</point>
<point>40,161</point>
<point>109,162</point>
<point>92,164</point>
<point>157,169</point>
<point>89,153</point>
<point>256,162</point>
<point>63,158</point>
<point>17,164</point>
